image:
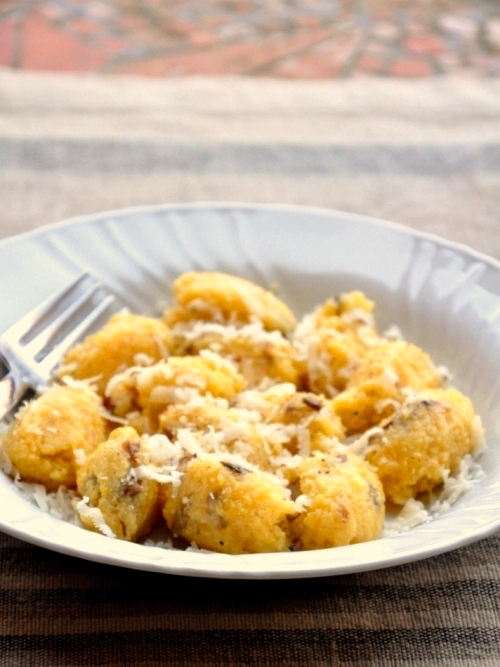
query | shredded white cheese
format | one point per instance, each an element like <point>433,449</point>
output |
<point>302,502</point>
<point>95,515</point>
<point>80,456</point>
<point>360,445</point>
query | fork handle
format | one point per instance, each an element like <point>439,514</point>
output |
<point>12,387</point>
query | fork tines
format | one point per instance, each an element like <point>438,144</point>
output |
<point>52,327</point>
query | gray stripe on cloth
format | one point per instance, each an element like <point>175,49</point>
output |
<point>96,155</point>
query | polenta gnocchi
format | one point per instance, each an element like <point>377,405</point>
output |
<point>239,428</point>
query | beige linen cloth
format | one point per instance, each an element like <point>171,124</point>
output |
<point>423,153</point>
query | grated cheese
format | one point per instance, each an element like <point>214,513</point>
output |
<point>302,502</point>
<point>359,445</point>
<point>95,515</point>
<point>233,439</point>
<point>80,456</point>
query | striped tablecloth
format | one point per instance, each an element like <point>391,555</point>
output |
<point>422,153</point>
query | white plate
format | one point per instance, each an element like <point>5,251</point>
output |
<point>445,298</point>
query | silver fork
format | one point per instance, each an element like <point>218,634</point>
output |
<point>32,347</point>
